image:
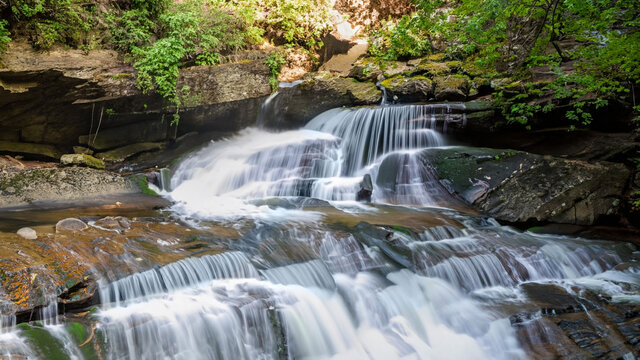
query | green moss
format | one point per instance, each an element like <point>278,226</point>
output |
<point>401,229</point>
<point>419,78</point>
<point>122,75</point>
<point>82,160</point>
<point>392,82</point>
<point>452,82</point>
<point>436,57</point>
<point>43,343</point>
<point>78,331</point>
<point>79,334</point>
<point>143,184</point>
<point>433,68</point>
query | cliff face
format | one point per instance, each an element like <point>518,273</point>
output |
<point>54,98</point>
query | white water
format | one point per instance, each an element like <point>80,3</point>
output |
<point>325,160</point>
<point>293,287</point>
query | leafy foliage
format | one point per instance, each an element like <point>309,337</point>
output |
<point>599,38</point>
<point>408,37</point>
<point>274,62</point>
<point>5,36</point>
<point>301,22</point>
<point>55,21</point>
<point>193,32</point>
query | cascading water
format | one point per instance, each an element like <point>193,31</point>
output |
<point>310,284</point>
<point>326,160</point>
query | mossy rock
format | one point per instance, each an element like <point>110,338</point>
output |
<point>433,68</point>
<point>451,88</point>
<point>436,57</point>
<point>409,89</point>
<point>454,65</point>
<point>143,183</point>
<point>470,68</point>
<point>392,68</point>
<point>81,160</point>
<point>44,344</point>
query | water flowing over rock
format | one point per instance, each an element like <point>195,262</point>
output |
<point>311,273</point>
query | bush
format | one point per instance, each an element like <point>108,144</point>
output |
<point>274,62</point>
<point>191,32</point>
<point>301,22</point>
<point>55,21</point>
<point>5,36</point>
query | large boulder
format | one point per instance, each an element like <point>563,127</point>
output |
<point>520,187</point>
<point>409,89</point>
<point>295,106</point>
<point>451,88</point>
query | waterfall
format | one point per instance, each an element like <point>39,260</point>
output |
<point>181,274</point>
<point>324,283</point>
<point>368,133</point>
<point>325,160</point>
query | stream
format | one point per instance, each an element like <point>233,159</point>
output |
<point>313,273</point>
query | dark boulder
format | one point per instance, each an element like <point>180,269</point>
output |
<point>366,189</point>
<point>295,106</point>
<point>520,187</point>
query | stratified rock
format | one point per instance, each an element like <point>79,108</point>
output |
<point>58,96</point>
<point>70,224</point>
<point>405,89</point>
<point>81,160</point>
<point>451,88</point>
<point>516,186</point>
<point>125,152</point>
<point>27,233</point>
<point>33,150</point>
<point>128,134</point>
<point>114,223</point>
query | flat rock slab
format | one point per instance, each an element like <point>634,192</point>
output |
<point>19,188</point>
<point>35,150</point>
<point>125,152</point>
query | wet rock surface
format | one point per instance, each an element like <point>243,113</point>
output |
<point>519,187</point>
<point>577,326</point>
<point>70,224</point>
<point>63,266</point>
